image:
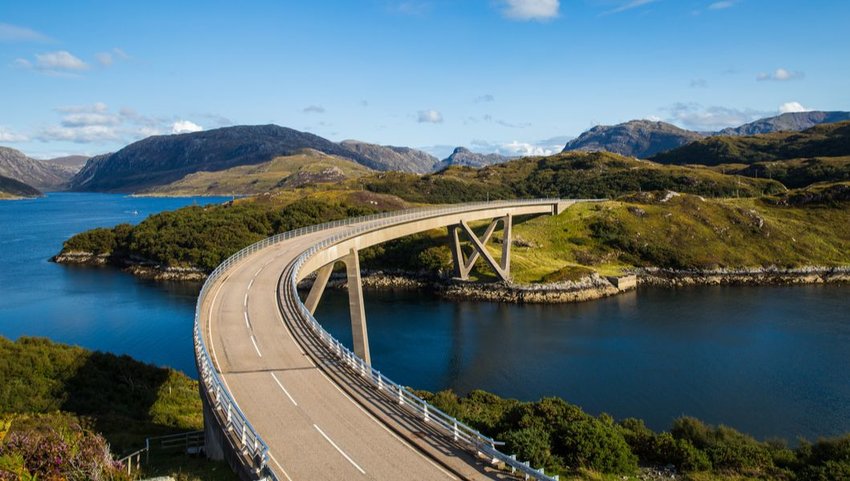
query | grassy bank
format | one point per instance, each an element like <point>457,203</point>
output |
<point>75,401</point>
<point>567,441</point>
<point>46,386</point>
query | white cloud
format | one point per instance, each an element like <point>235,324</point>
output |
<point>724,4</point>
<point>699,83</point>
<point>93,118</point>
<point>516,148</point>
<point>789,107</point>
<point>780,75</point>
<point>59,60</point>
<point>430,117</point>
<point>313,109</point>
<point>531,9</point>
<point>486,98</point>
<point>696,117</point>
<point>629,6</point>
<point>81,135</point>
<point>15,33</point>
<point>7,135</point>
<point>185,126</point>
<point>97,107</point>
<point>96,123</point>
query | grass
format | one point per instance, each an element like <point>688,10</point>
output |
<point>684,232</point>
<point>124,399</point>
<point>290,171</point>
<point>827,140</point>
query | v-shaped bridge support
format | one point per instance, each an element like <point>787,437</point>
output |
<point>464,265</point>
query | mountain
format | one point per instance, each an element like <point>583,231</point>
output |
<point>43,176</point>
<point>307,167</point>
<point>636,138</point>
<point>69,163</point>
<point>463,157</point>
<point>387,157</point>
<point>791,122</point>
<point>826,140</point>
<point>13,189</point>
<point>163,159</point>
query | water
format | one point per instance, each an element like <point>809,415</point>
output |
<point>770,361</point>
<point>97,308</point>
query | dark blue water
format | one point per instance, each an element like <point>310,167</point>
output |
<point>97,308</point>
<point>770,361</point>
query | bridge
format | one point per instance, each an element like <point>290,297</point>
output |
<point>284,400</point>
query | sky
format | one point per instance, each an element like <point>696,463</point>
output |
<point>509,76</point>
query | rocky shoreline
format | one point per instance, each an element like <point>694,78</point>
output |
<point>740,277</point>
<point>139,268</point>
<point>588,288</point>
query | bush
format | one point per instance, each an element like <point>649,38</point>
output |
<point>56,446</point>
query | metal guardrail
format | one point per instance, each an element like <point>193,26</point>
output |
<point>244,436</point>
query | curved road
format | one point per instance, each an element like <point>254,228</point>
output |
<point>319,419</point>
<point>314,429</point>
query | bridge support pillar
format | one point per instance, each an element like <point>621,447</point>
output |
<point>356,306</point>
<point>464,265</point>
<point>318,288</point>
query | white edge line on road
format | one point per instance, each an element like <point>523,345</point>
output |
<point>338,449</point>
<point>283,389</point>
<point>404,442</point>
<point>254,342</point>
<point>246,299</point>
<point>279,467</point>
<point>212,345</point>
<point>247,324</point>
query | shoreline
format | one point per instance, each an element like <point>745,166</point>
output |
<point>588,288</point>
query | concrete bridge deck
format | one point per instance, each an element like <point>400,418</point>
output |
<point>311,416</point>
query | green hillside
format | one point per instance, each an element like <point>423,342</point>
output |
<point>66,400</point>
<point>566,175</point>
<point>308,167</point>
<point>827,140</point>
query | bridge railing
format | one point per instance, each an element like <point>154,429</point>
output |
<point>448,425</point>
<point>242,434</point>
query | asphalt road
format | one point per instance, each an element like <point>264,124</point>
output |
<point>318,422</point>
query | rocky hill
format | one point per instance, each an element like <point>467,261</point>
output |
<point>69,163</point>
<point>826,140</point>
<point>463,157</point>
<point>790,122</point>
<point>307,167</point>
<point>14,189</point>
<point>43,176</point>
<point>163,159</point>
<point>387,157</point>
<point>637,138</point>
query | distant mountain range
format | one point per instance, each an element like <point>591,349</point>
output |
<point>159,161</point>
<point>36,173</point>
<point>827,140</point>
<point>464,157</point>
<point>644,138</point>
<point>387,157</point>
<point>163,159</point>
<point>636,138</point>
<point>790,122</point>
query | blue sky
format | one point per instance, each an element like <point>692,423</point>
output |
<point>514,76</point>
